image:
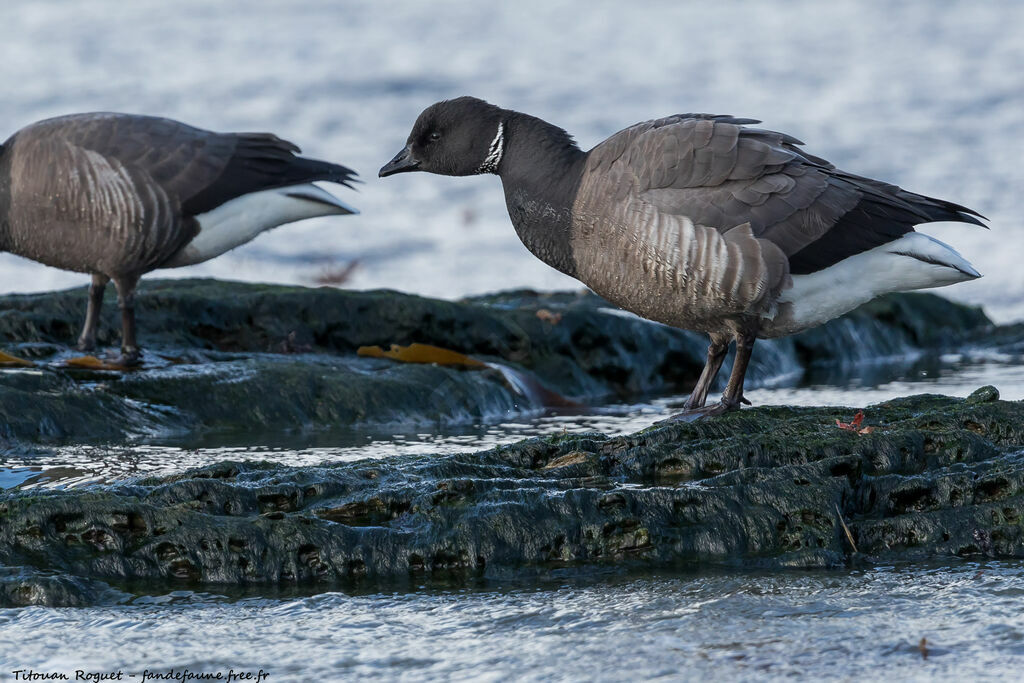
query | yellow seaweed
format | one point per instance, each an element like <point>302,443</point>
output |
<point>9,361</point>
<point>523,383</point>
<point>421,353</point>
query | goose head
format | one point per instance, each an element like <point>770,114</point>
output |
<point>460,137</point>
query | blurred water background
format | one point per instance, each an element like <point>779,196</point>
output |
<point>926,94</point>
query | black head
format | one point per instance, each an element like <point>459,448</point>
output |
<point>464,136</point>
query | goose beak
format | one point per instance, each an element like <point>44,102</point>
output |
<point>404,161</point>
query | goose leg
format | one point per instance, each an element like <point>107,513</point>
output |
<point>87,341</point>
<point>732,397</point>
<point>130,354</point>
<point>716,354</point>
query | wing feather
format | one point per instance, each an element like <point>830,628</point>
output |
<point>198,169</point>
<point>717,172</point>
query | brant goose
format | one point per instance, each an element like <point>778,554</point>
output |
<point>119,195</point>
<point>697,221</point>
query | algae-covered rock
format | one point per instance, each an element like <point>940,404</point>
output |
<point>233,357</point>
<point>925,477</point>
<point>24,587</point>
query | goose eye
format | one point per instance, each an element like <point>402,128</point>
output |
<point>435,136</point>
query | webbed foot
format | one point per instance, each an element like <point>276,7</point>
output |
<point>130,357</point>
<point>693,414</point>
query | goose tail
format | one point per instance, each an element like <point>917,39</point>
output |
<point>914,261</point>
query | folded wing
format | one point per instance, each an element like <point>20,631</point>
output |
<point>717,172</point>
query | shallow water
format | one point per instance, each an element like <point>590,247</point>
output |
<point>722,625</point>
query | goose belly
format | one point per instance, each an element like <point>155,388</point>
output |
<point>665,268</point>
<point>238,221</point>
<point>85,213</point>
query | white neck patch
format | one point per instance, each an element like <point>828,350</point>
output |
<point>494,152</point>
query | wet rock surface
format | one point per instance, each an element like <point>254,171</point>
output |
<point>767,487</point>
<point>24,587</point>
<point>225,357</point>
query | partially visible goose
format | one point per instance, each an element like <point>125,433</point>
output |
<point>119,195</point>
<point>697,221</point>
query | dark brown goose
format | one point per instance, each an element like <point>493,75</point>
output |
<point>697,221</point>
<point>119,195</point>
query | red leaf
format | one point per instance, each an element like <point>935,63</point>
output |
<point>854,425</point>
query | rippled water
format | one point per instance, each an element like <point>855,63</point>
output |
<point>718,626</point>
